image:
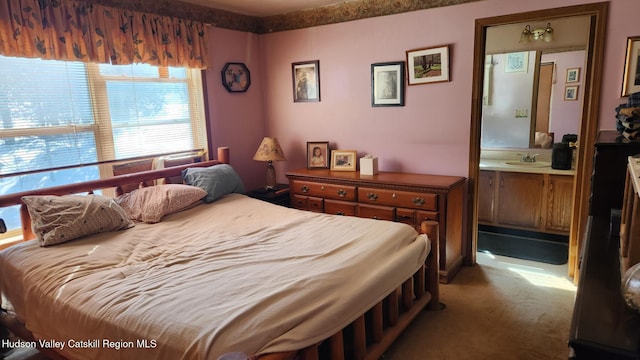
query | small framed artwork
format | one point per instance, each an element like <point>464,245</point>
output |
<point>571,92</point>
<point>318,155</point>
<point>306,81</point>
<point>236,77</point>
<point>387,84</point>
<point>631,78</point>
<point>517,62</point>
<point>428,65</point>
<point>573,75</point>
<point>343,160</point>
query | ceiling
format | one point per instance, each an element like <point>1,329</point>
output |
<point>263,8</point>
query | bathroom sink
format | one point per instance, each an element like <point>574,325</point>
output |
<point>536,164</point>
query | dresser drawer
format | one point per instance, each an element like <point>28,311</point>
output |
<point>327,191</point>
<point>377,212</point>
<point>406,199</point>
<point>426,215</point>
<point>336,207</point>
<point>309,203</point>
<point>407,216</point>
<point>415,217</point>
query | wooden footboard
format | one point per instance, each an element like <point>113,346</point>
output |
<point>370,335</point>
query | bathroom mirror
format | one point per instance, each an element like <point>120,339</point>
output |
<point>524,102</point>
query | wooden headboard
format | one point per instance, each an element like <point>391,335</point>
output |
<point>143,178</point>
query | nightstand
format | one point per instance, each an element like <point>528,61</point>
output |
<point>279,195</point>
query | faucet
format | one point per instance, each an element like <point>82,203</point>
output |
<point>528,158</point>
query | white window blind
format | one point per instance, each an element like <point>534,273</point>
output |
<point>69,116</point>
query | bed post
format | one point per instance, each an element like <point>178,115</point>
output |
<point>25,220</point>
<point>223,155</point>
<point>430,228</point>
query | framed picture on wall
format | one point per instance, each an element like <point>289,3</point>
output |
<point>236,77</point>
<point>343,160</point>
<point>571,92</point>
<point>428,65</point>
<point>387,84</point>
<point>631,78</point>
<point>306,81</point>
<point>573,75</point>
<point>517,62</point>
<point>318,154</point>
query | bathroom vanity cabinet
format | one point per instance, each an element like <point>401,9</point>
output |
<point>527,201</point>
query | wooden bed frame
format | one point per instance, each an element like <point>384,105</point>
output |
<point>368,337</point>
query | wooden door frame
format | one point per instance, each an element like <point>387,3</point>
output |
<point>589,121</point>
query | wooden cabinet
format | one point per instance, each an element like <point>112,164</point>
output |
<point>630,218</point>
<point>602,325</point>
<point>559,203</point>
<point>486,202</point>
<point>279,195</point>
<point>525,201</point>
<point>393,196</point>
<point>609,171</point>
<point>520,200</point>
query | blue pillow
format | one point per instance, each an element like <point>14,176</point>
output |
<point>216,180</point>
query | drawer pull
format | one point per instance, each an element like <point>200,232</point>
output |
<point>372,196</point>
<point>394,196</point>
<point>342,193</point>
<point>418,201</point>
<point>406,217</point>
<point>304,188</point>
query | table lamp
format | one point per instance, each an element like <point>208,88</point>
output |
<point>270,151</point>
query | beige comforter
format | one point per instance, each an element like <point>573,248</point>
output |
<point>235,275</point>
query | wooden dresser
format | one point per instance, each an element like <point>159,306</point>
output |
<point>602,325</point>
<point>609,172</point>
<point>394,196</point>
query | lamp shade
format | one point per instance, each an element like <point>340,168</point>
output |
<point>269,150</point>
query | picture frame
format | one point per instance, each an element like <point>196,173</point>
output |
<point>306,81</point>
<point>236,77</point>
<point>571,92</point>
<point>318,155</point>
<point>428,65</point>
<point>517,62</point>
<point>387,84</point>
<point>573,75</point>
<point>343,160</point>
<point>631,77</point>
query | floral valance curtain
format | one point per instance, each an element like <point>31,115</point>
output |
<point>81,31</point>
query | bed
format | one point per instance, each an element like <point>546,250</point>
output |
<point>231,277</point>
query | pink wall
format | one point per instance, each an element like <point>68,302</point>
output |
<point>430,134</point>
<point>237,119</point>
<point>564,117</point>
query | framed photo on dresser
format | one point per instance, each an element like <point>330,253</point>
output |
<point>343,160</point>
<point>318,155</point>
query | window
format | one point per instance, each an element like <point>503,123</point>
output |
<point>59,120</point>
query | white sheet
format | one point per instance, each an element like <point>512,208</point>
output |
<point>235,275</point>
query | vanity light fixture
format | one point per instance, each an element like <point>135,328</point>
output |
<point>528,34</point>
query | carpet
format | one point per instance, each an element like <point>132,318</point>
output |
<point>499,309</point>
<point>548,250</point>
